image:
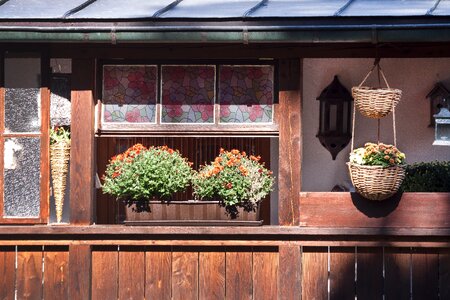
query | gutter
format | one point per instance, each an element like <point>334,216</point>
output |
<point>301,33</point>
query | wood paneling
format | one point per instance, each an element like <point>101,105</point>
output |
<point>289,174</point>
<point>342,273</point>
<point>425,274</point>
<point>239,281</point>
<point>158,276</point>
<point>397,264</point>
<point>82,154</point>
<point>131,273</point>
<point>80,271</point>
<point>369,283</point>
<point>7,272</point>
<point>315,273</point>
<point>56,273</point>
<point>410,210</point>
<point>184,273</point>
<point>29,273</point>
<point>211,278</point>
<point>265,273</point>
<point>289,272</point>
<point>105,271</point>
<point>444,273</point>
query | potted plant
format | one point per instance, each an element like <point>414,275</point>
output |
<point>238,181</point>
<point>377,170</point>
<point>142,176</point>
<point>59,162</point>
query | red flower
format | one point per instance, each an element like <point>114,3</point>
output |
<point>256,112</point>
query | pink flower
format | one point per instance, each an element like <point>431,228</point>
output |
<point>225,111</point>
<point>174,111</point>
<point>107,116</point>
<point>256,112</point>
<point>206,110</point>
<point>133,116</point>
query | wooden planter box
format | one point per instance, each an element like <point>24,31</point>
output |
<point>420,210</point>
<point>192,213</point>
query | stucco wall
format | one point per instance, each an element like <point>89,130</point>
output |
<point>416,77</point>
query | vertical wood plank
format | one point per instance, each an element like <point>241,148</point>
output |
<point>105,264</point>
<point>289,178</point>
<point>82,154</point>
<point>158,262</point>
<point>185,273</point>
<point>314,273</point>
<point>289,272</point>
<point>45,153</point>
<point>80,266</point>
<point>131,273</point>
<point>265,273</point>
<point>7,272</point>
<point>369,282</point>
<point>397,278</point>
<point>211,277</point>
<point>444,273</point>
<point>239,282</point>
<point>29,273</point>
<point>56,273</point>
<point>425,280</point>
<point>342,273</point>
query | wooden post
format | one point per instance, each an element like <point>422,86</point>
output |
<point>289,176</point>
<point>80,266</point>
<point>82,145</point>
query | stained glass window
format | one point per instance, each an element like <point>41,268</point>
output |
<point>188,94</point>
<point>129,94</point>
<point>246,94</point>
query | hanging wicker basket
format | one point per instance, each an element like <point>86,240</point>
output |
<point>375,103</point>
<point>376,182</point>
<point>59,160</point>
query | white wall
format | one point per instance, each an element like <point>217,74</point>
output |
<point>416,77</point>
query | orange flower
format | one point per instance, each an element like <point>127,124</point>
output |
<point>386,157</point>
<point>115,174</point>
<point>243,170</point>
<point>235,151</point>
<point>391,161</point>
<point>229,163</point>
<point>255,158</point>
<point>170,151</point>
<point>243,153</point>
<point>222,150</point>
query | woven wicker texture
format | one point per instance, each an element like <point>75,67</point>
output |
<point>376,182</point>
<point>375,103</point>
<point>59,160</point>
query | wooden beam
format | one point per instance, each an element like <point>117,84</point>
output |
<point>80,266</point>
<point>82,149</point>
<point>289,175</point>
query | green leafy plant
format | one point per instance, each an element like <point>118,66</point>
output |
<point>140,174</point>
<point>59,134</point>
<point>427,177</point>
<point>235,178</point>
<point>377,155</point>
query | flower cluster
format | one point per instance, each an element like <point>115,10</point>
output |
<point>59,135</point>
<point>377,155</point>
<point>235,178</point>
<point>144,173</point>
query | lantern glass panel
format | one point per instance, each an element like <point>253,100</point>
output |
<point>345,117</point>
<point>442,132</point>
<point>333,117</point>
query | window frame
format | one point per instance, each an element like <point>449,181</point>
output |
<point>44,137</point>
<point>186,129</point>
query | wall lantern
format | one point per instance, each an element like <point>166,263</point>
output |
<point>442,128</point>
<point>335,114</point>
<point>437,97</point>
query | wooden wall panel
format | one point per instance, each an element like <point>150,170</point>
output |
<point>425,280</point>
<point>131,273</point>
<point>7,272</point>
<point>397,273</point>
<point>444,273</point>
<point>105,272</point>
<point>315,273</point>
<point>239,281</point>
<point>158,276</point>
<point>369,284</point>
<point>185,273</point>
<point>29,273</point>
<point>342,273</point>
<point>80,271</point>
<point>290,272</point>
<point>212,274</point>
<point>56,273</point>
<point>265,273</point>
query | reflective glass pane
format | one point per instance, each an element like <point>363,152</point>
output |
<point>246,94</point>
<point>188,94</point>
<point>22,110</point>
<point>129,94</point>
<point>22,177</point>
<point>60,106</point>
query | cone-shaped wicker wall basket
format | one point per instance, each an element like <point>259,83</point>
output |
<point>59,160</point>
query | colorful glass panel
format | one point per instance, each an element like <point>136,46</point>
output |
<point>246,94</point>
<point>129,94</point>
<point>188,94</point>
